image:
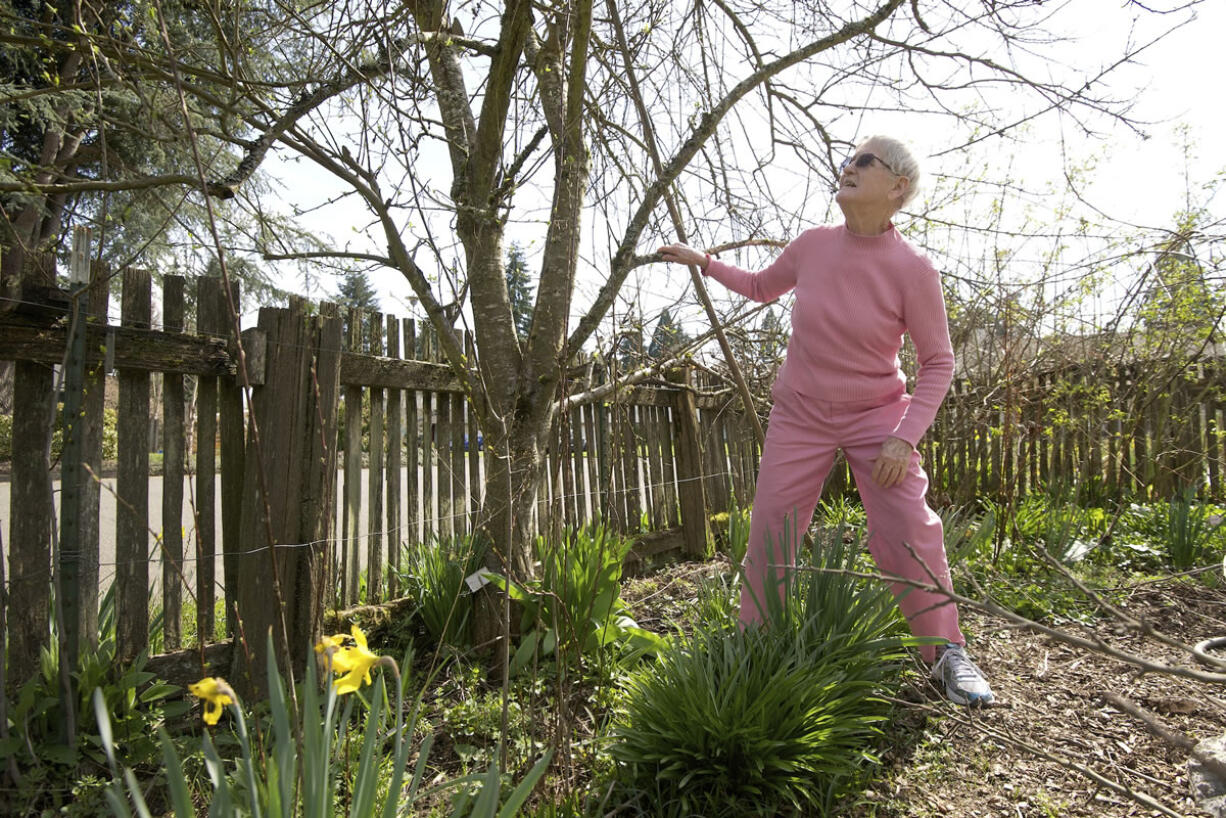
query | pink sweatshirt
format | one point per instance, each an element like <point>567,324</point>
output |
<point>855,297</point>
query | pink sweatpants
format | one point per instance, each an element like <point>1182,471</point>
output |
<point>800,446</point>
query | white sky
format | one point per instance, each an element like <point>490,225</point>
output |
<point>1175,85</point>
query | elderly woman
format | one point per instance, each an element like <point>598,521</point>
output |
<point>859,286</point>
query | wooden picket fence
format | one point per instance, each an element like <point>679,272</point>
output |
<point>343,499</point>
<point>403,463</point>
<point>1135,432</point>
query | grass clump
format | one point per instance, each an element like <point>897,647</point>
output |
<point>433,576</point>
<point>751,721</point>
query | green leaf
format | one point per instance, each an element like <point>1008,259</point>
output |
<point>284,752</point>
<point>526,651</point>
<point>9,746</point>
<point>159,691</point>
<point>525,787</point>
<point>104,730</point>
<point>175,781</point>
<point>487,798</point>
<point>59,754</point>
<point>138,799</point>
<point>175,710</point>
<point>367,778</point>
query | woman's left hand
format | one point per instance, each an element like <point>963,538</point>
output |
<point>890,466</point>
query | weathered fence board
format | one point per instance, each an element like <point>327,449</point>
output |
<point>284,512</point>
<point>30,530</point>
<point>209,322</point>
<point>374,471</point>
<point>395,446</point>
<point>672,454</point>
<point>91,488</point>
<point>351,544</point>
<point>174,441</point>
<point>412,444</point>
<point>132,349</point>
<point>132,484</point>
<point>29,546</point>
<point>232,442</point>
<point>459,481</point>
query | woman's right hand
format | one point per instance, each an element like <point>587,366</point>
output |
<point>683,254</point>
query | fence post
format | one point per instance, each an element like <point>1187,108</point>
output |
<point>395,446</point>
<point>91,488</point>
<point>374,472</point>
<point>694,524</point>
<point>132,484</point>
<point>352,543</point>
<point>30,529</point>
<point>174,437</point>
<point>288,479</point>
<point>475,443</point>
<point>413,440</point>
<point>69,570</point>
<point>232,442</point>
<point>208,323</point>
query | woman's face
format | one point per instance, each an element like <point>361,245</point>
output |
<point>867,182</point>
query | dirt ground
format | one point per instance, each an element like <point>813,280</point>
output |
<point>1051,745</point>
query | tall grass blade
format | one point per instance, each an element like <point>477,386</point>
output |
<point>175,782</point>
<point>520,794</point>
<point>367,779</point>
<point>138,799</point>
<point>280,790</point>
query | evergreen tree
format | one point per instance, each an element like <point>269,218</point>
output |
<point>84,108</point>
<point>519,289</point>
<point>355,291</point>
<point>666,338</point>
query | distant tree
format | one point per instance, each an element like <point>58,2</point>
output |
<point>666,338</point>
<point>355,291</point>
<point>1182,308</point>
<point>759,348</point>
<point>93,131</point>
<point>519,289</point>
<point>628,345</point>
<point>257,284</point>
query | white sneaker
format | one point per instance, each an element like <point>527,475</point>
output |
<point>964,683</point>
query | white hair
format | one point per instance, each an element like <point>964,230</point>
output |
<point>896,154</point>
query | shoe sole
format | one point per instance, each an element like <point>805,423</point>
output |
<point>969,701</point>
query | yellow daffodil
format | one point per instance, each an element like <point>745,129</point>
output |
<point>351,662</point>
<point>215,693</point>
<point>355,663</point>
<point>328,645</point>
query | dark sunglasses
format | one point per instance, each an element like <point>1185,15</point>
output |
<point>864,160</point>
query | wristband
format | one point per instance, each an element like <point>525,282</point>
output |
<point>706,263</point>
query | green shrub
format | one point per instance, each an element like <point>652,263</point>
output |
<point>731,531</point>
<point>433,575</point>
<point>1016,572</point>
<point>841,511</point>
<point>1054,522</point>
<point>1192,531</point>
<point>110,436</point>
<point>740,722</point>
<point>48,767</point>
<point>575,606</point>
<point>717,602</point>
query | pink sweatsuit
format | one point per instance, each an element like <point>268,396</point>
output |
<point>841,387</point>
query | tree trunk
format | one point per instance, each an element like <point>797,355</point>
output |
<point>515,462</point>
